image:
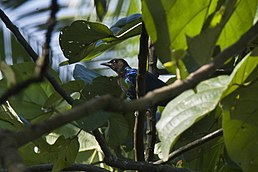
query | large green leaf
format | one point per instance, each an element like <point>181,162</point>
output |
<point>223,27</point>
<point>220,23</point>
<point>168,22</point>
<point>241,20</point>
<point>183,111</point>
<point>208,37</point>
<point>84,40</point>
<point>240,117</point>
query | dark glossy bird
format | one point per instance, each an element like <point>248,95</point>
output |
<point>127,78</point>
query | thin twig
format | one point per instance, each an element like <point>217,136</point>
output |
<point>192,145</point>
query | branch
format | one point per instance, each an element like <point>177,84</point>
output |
<point>126,164</point>
<point>74,167</point>
<point>192,145</point>
<point>151,112</point>
<point>150,133</point>
<point>140,90</point>
<point>33,55</point>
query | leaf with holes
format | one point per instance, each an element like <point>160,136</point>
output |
<point>189,107</point>
<point>84,40</point>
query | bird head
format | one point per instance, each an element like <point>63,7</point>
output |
<point>117,65</point>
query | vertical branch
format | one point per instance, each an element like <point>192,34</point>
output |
<point>150,133</point>
<point>152,59</point>
<point>151,113</point>
<point>140,90</point>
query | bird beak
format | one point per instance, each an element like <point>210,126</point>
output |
<point>107,64</point>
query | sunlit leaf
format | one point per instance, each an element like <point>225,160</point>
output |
<point>208,37</point>
<point>189,107</point>
<point>168,22</point>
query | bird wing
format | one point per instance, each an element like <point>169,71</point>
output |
<point>152,82</point>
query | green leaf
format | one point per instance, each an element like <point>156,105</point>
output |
<point>117,131</point>
<point>67,151</point>
<point>225,26</point>
<point>189,107</point>
<point>240,117</point>
<point>167,23</point>
<point>242,71</point>
<point>84,40</point>
<point>75,40</point>
<point>241,20</point>
<point>208,37</point>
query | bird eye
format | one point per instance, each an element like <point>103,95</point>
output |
<point>114,61</point>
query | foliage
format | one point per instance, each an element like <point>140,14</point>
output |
<point>186,35</point>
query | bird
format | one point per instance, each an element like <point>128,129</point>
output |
<point>127,78</point>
